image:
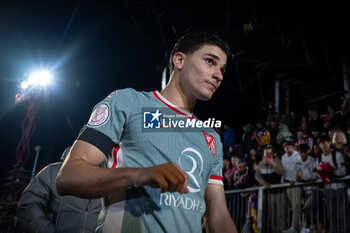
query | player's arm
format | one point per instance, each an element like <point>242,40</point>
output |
<point>82,176</point>
<point>218,218</point>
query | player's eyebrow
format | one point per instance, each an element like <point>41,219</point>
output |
<point>213,56</point>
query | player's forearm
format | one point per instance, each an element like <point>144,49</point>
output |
<point>79,178</point>
<point>221,224</point>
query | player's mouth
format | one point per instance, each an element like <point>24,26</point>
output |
<point>212,85</point>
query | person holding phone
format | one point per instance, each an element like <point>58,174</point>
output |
<point>269,172</point>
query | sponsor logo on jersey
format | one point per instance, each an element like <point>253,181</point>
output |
<point>110,96</point>
<point>166,119</point>
<point>181,201</point>
<point>100,115</point>
<point>210,142</point>
<point>191,161</point>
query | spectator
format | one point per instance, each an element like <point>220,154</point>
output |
<point>252,158</point>
<point>270,171</point>
<point>343,115</point>
<point>42,209</point>
<point>316,122</point>
<point>331,133</point>
<point>316,151</point>
<point>303,138</point>
<point>262,135</point>
<point>241,179</point>
<point>329,119</point>
<point>306,171</point>
<point>289,163</point>
<point>243,176</point>
<point>284,133</point>
<point>335,192</point>
<point>304,125</point>
<point>274,130</point>
<point>315,133</point>
<point>228,170</point>
<point>247,138</point>
<point>339,141</point>
<point>229,137</point>
<point>293,123</point>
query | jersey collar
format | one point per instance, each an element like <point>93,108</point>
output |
<point>172,106</point>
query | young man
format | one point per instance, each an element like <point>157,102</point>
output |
<point>289,163</point>
<point>155,181</point>
<point>306,171</point>
<point>269,172</point>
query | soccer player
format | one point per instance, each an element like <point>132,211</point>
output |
<point>155,181</point>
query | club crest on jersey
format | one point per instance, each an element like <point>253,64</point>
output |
<point>210,142</point>
<point>100,115</point>
<point>110,96</point>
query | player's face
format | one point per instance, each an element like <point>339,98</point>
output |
<point>202,72</point>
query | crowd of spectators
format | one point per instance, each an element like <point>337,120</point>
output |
<point>291,149</point>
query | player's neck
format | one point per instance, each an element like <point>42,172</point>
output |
<point>173,93</point>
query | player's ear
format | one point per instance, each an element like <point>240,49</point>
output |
<point>179,60</point>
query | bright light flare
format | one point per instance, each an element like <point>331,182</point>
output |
<point>42,78</point>
<point>24,85</point>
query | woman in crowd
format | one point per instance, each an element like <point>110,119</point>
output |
<point>339,141</point>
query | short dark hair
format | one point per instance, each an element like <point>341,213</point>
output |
<point>323,138</point>
<point>193,41</point>
<point>241,161</point>
<point>288,143</point>
<point>303,148</point>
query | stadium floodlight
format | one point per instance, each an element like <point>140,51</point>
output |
<point>41,77</point>
<point>24,85</point>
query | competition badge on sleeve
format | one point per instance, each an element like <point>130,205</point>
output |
<point>100,115</point>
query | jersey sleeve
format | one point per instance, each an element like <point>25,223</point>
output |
<point>108,120</point>
<point>215,176</point>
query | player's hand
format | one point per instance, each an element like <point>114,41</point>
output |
<point>169,177</point>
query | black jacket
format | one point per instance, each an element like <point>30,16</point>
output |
<point>42,210</point>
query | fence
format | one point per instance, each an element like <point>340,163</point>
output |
<point>309,207</point>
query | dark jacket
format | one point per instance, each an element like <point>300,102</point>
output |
<point>42,210</point>
<point>269,174</point>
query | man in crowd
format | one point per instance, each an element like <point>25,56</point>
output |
<point>156,182</point>
<point>306,171</point>
<point>289,163</point>
<point>269,172</point>
<point>42,210</point>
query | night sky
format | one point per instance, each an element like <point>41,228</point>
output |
<point>95,47</point>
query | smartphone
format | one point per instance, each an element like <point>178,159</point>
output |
<point>269,156</point>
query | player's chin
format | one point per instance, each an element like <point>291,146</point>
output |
<point>206,96</point>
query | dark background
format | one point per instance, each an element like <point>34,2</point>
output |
<point>94,47</point>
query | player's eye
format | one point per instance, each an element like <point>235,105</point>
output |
<point>209,61</point>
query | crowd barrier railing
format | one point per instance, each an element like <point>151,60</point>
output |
<point>307,206</point>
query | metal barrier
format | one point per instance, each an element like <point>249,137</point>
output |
<point>307,206</point>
